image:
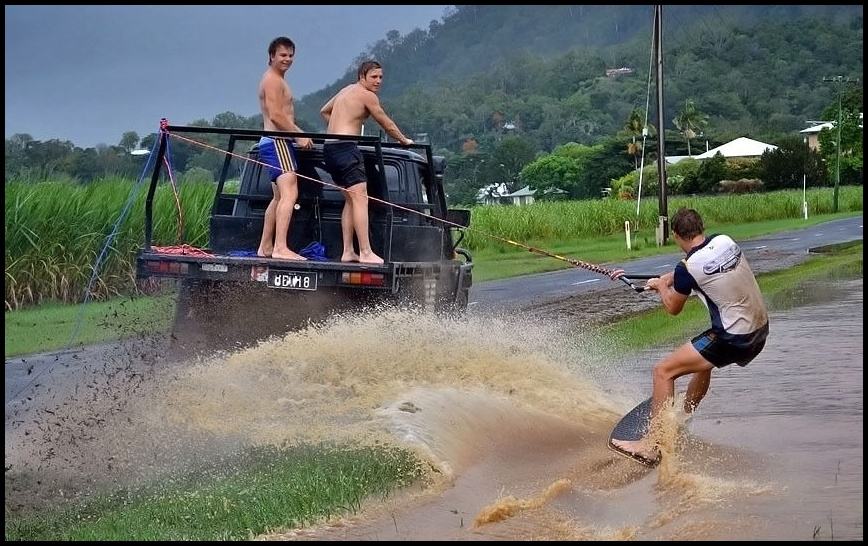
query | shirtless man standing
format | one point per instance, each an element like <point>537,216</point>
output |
<point>345,113</point>
<point>278,114</point>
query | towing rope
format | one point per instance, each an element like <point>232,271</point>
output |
<point>177,198</point>
<point>572,261</point>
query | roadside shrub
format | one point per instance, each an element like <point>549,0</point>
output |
<point>708,175</point>
<point>743,167</point>
<point>789,164</point>
<point>742,185</point>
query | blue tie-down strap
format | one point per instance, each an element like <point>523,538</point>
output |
<point>314,251</point>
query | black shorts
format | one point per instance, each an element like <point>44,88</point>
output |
<point>345,163</point>
<point>723,353</point>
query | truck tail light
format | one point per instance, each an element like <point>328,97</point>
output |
<point>167,267</point>
<point>363,278</point>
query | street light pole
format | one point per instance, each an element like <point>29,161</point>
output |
<point>663,205</point>
<point>841,80</point>
<point>805,178</point>
<point>838,151</point>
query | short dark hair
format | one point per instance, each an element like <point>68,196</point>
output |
<point>687,223</point>
<point>366,67</point>
<point>277,42</point>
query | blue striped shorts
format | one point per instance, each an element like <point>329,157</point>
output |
<point>279,155</point>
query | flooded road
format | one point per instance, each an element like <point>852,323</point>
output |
<point>775,452</point>
<point>513,415</point>
<point>789,425</point>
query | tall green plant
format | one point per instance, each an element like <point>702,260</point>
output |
<point>54,232</point>
<point>574,220</point>
<point>690,122</point>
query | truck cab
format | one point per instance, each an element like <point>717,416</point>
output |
<point>409,224</point>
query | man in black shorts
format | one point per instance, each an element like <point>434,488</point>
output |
<point>345,113</point>
<point>716,270</point>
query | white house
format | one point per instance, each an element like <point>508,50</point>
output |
<point>492,194</point>
<point>813,132</point>
<point>524,196</point>
<point>673,159</point>
<point>497,194</point>
<point>740,147</point>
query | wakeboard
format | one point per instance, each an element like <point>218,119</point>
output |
<point>631,427</point>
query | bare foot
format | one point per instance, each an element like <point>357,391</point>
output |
<point>262,253</point>
<point>642,448</point>
<point>288,255</point>
<point>369,258</point>
<point>350,257</point>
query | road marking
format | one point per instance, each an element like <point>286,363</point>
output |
<point>662,266</point>
<point>758,247</point>
<point>585,282</point>
<point>472,303</point>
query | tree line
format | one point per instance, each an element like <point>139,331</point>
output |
<point>572,170</point>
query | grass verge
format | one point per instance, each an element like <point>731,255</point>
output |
<point>53,327</point>
<point>263,489</point>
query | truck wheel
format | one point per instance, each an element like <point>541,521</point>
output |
<point>454,307</point>
<point>192,327</point>
<point>418,294</point>
<point>461,300</point>
<point>227,315</point>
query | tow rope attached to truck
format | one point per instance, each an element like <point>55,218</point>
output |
<point>164,124</point>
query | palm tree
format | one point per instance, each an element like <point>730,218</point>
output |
<point>634,129</point>
<point>690,122</point>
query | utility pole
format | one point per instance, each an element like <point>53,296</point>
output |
<point>841,81</point>
<point>663,225</point>
<point>805,178</point>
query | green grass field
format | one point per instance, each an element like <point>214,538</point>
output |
<point>510,261</point>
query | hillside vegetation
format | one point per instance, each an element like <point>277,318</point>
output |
<point>753,69</point>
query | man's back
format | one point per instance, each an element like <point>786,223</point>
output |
<point>727,285</point>
<point>349,110</point>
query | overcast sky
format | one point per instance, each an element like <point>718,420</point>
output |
<point>89,73</point>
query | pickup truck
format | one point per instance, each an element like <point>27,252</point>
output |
<point>231,296</point>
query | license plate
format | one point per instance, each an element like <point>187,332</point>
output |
<point>218,268</point>
<point>291,280</point>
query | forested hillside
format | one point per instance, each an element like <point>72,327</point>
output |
<point>753,69</point>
